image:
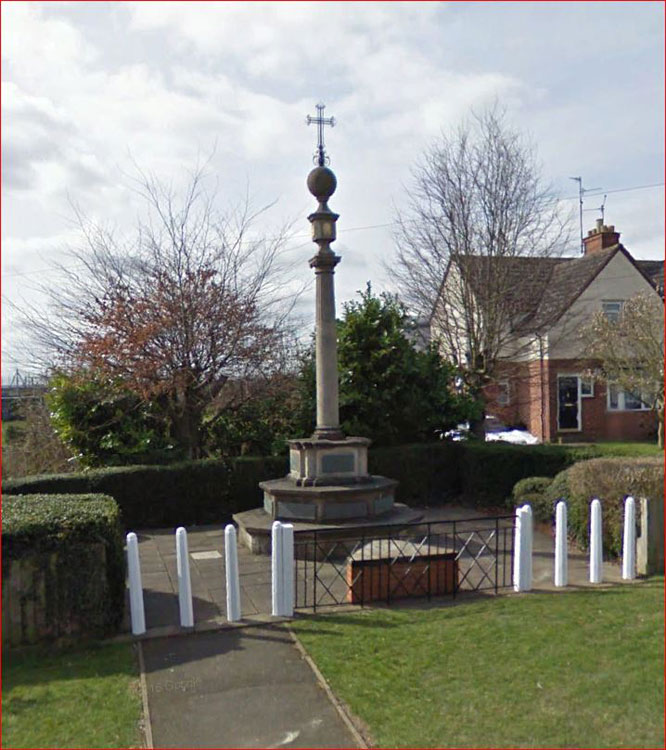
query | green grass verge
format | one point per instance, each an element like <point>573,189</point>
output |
<point>568,669</point>
<point>78,697</point>
<point>624,449</point>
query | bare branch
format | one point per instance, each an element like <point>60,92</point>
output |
<point>189,301</point>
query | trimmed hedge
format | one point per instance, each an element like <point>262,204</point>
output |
<point>70,577</point>
<point>490,471</point>
<point>428,473</point>
<point>532,490</point>
<point>611,480</point>
<point>190,492</point>
<point>210,491</point>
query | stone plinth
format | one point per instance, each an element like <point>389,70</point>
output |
<point>316,462</point>
<point>254,531</point>
<point>285,500</point>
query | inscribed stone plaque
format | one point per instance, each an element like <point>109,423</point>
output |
<point>337,463</point>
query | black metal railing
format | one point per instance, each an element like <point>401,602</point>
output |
<point>360,565</point>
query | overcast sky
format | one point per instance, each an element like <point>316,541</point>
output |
<point>88,88</point>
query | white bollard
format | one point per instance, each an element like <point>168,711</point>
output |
<point>528,527</point>
<point>135,588</point>
<point>287,570</point>
<point>522,553</point>
<point>517,549</point>
<point>561,552</point>
<point>629,545</point>
<point>233,586</point>
<point>276,567</point>
<point>184,584</point>
<point>596,543</point>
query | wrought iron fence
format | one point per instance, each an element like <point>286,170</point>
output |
<point>360,565</point>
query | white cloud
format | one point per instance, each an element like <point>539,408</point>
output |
<point>88,88</point>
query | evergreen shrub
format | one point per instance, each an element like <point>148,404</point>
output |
<point>610,480</point>
<point>211,490</point>
<point>489,471</point>
<point>532,490</point>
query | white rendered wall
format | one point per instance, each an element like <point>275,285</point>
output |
<point>619,280</point>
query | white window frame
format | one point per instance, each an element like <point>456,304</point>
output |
<point>621,406</point>
<point>504,393</point>
<point>590,382</point>
<point>579,416</point>
<point>612,315</point>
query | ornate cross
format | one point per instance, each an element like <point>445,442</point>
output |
<point>320,120</point>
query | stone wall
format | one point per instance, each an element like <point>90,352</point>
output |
<point>44,599</point>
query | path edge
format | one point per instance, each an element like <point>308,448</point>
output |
<point>147,727</point>
<point>337,703</point>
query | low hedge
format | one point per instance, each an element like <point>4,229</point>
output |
<point>186,493</point>
<point>609,479</point>
<point>71,566</point>
<point>210,491</point>
<point>532,490</point>
<point>428,473</point>
<point>489,471</point>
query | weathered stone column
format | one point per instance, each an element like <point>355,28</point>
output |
<point>328,417</point>
<point>322,184</point>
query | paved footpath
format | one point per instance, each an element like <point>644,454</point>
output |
<point>240,687</point>
<point>249,685</point>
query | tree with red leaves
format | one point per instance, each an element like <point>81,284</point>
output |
<point>192,301</point>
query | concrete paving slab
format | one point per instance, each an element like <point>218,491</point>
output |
<point>245,687</point>
<point>158,559</point>
<point>259,596</point>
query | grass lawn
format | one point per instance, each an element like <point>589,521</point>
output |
<point>79,697</point>
<point>626,449</point>
<point>568,669</point>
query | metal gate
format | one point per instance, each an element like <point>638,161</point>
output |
<point>361,565</point>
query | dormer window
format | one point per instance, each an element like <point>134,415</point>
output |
<point>612,309</point>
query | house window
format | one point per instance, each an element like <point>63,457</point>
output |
<point>612,309</point>
<point>621,400</point>
<point>587,387</point>
<point>503,394</point>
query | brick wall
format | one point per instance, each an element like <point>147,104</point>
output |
<point>537,407</point>
<point>597,422</point>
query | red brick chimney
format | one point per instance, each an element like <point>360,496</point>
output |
<point>600,238</point>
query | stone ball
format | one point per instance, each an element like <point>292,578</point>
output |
<point>322,183</point>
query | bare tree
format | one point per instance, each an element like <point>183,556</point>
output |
<point>631,351</point>
<point>477,209</point>
<point>190,301</point>
<point>32,446</point>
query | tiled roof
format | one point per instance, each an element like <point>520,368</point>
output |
<point>540,290</point>
<point>654,270</point>
<point>566,283</point>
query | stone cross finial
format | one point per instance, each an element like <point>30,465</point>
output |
<point>320,154</point>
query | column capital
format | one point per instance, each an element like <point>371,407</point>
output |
<point>324,260</point>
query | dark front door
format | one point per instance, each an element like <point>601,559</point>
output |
<point>567,402</point>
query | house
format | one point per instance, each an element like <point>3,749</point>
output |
<point>543,378</point>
